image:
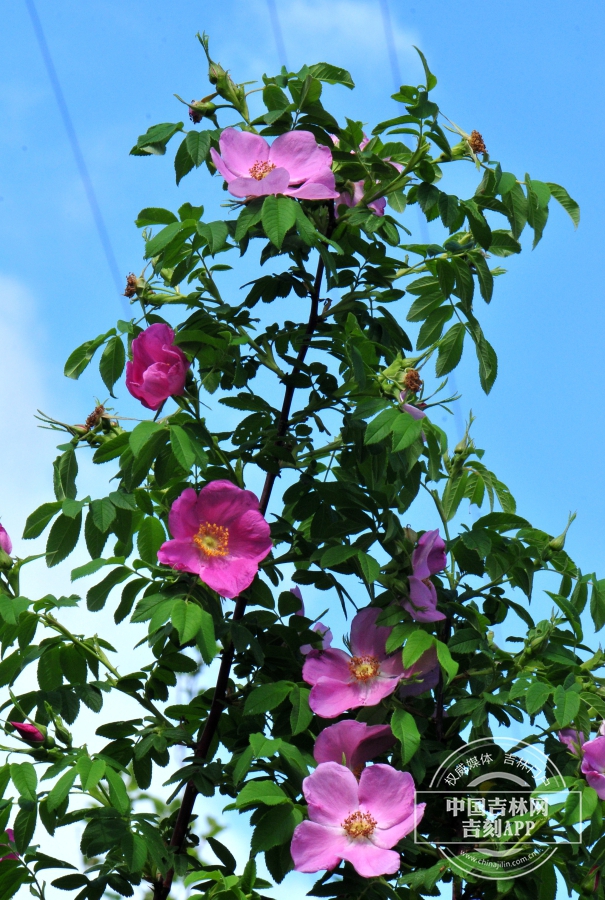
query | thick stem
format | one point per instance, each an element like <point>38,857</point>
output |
<point>162,888</point>
<point>444,637</point>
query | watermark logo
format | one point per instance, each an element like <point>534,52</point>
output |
<point>490,806</point>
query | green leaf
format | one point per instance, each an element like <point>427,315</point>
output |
<point>24,827</point>
<point>569,611</point>
<point>478,224</point>
<point>150,538</point>
<point>431,329</point>
<point>567,705</point>
<point>61,789</point>
<point>50,673</point>
<point>406,731</point>
<point>23,776</point>
<point>431,79</point>
<point>504,244</point>
<point>428,196</point>
<point>37,521</point>
<point>405,431</point>
<point>275,828</point>
<point>536,696</point>
<point>445,661</point>
<point>506,183</point>
<point>181,447</point>
<point>215,234</point>
<point>162,239</point>
<point>183,162</point>
<point>62,539</point>
<point>306,228</point>
<point>198,145</point>
<point>380,427</point>
<point>370,567</point>
<point>154,141</point>
<point>143,432</point>
<point>117,791</point>
<point>570,206</point>
<point>257,793</point>
<point>111,364</point>
<point>301,715</point>
<point>335,556</point>
<point>187,619</point>
<point>449,209</point>
<point>155,215</point>
<point>488,361</point>
<point>597,603</point>
<point>65,470</point>
<point>103,513</point>
<point>278,216</point>
<point>266,697</point>
<point>484,276</point>
<point>450,349</point>
<point>98,594</point>
<point>417,644</point>
<point>331,74</point>
<point>206,640</point>
<point>446,276</point>
<point>248,217</point>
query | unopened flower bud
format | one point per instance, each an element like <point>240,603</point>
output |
<point>5,542</point>
<point>201,109</point>
<point>5,561</point>
<point>11,836</point>
<point>559,542</point>
<point>34,735</point>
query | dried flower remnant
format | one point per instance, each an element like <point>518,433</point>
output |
<point>412,381</point>
<point>476,142</point>
<point>132,283</point>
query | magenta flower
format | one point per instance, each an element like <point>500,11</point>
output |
<point>11,836</point>
<point>342,681</point>
<point>573,740</point>
<point>422,676</point>
<point>294,165</point>
<point>593,764</point>
<point>5,541</point>
<point>352,744</point>
<point>428,559</point>
<point>31,734</point>
<point>355,821</point>
<point>158,369</point>
<point>319,627</point>
<point>219,535</point>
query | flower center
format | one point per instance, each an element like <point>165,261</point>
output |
<point>213,540</point>
<point>260,170</point>
<point>359,824</point>
<point>363,668</point>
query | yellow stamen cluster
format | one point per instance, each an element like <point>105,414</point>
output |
<point>260,170</point>
<point>359,824</point>
<point>364,667</point>
<point>212,540</point>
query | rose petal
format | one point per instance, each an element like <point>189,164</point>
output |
<point>183,518</point>
<point>368,860</point>
<point>331,793</point>
<point>387,794</point>
<point>315,847</point>
<point>368,639</point>
<point>241,149</point>
<point>301,155</point>
<point>276,182</point>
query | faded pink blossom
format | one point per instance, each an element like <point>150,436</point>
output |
<point>422,676</point>
<point>573,740</point>
<point>364,678</point>
<point>294,165</point>
<point>31,734</point>
<point>593,764</point>
<point>428,559</point>
<point>352,744</point>
<point>319,627</point>
<point>355,821</point>
<point>158,369</point>
<point>11,836</point>
<point>219,535</point>
<point>5,541</point>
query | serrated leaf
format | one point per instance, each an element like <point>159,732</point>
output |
<point>181,447</point>
<point>155,215</point>
<point>143,432</point>
<point>206,640</point>
<point>331,74</point>
<point>24,827</point>
<point>257,793</point>
<point>37,521</point>
<point>406,429</point>
<point>61,789</point>
<point>278,216</point>
<point>403,726</point>
<point>569,205</point>
<point>183,163</point>
<point>380,427</point>
<point>150,538</point>
<point>450,350</point>
<point>301,715</point>
<point>417,644</point>
<point>98,594</point>
<point>103,513</point>
<point>162,239</point>
<point>117,791</point>
<point>23,776</point>
<point>187,619</point>
<point>215,233</point>
<point>248,217</point>
<point>266,697</point>
<point>111,364</point>
<point>62,539</point>
<point>567,705</point>
<point>536,696</point>
<point>335,556</point>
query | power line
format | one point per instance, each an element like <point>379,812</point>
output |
<point>75,146</point>
<point>390,42</point>
<point>277,33</point>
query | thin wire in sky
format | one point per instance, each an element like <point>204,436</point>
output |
<point>390,42</point>
<point>277,33</point>
<point>75,146</point>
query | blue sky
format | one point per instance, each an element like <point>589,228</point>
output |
<point>526,75</point>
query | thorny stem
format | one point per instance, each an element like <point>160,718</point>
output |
<point>162,887</point>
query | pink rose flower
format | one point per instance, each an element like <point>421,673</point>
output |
<point>11,836</point>
<point>219,535</point>
<point>5,541</point>
<point>294,165</point>
<point>428,559</point>
<point>31,734</point>
<point>158,369</point>
<point>352,744</point>
<point>342,681</point>
<point>319,627</point>
<point>422,676</point>
<point>355,821</point>
<point>593,764</point>
<point>573,740</point>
